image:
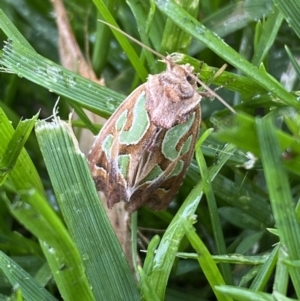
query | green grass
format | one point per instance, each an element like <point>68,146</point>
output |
<point>232,233</point>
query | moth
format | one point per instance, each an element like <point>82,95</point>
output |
<point>143,151</point>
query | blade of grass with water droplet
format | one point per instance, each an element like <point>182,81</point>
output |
<point>123,41</point>
<point>234,129</point>
<point>267,36</point>
<point>15,147</point>
<point>213,42</point>
<point>213,209</point>
<point>20,279</point>
<point>27,63</point>
<point>163,261</point>
<point>280,195</point>
<point>266,270</point>
<point>243,294</point>
<point>105,263</point>
<point>291,11</point>
<point>33,211</point>
<point>11,31</point>
<point>206,262</point>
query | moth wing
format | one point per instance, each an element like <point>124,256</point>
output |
<point>104,156</point>
<point>158,188</point>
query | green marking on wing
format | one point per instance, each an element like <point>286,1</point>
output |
<point>140,123</point>
<point>154,173</point>
<point>173,136</point>
<point>121,121</point>
<point>123,163</point>
<point>187,145</point>
<point>107,144</point>
<point>177,170</point>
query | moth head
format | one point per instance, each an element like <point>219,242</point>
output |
<point>172,95</point>
<point>185,71</point>
<point>191,79</point>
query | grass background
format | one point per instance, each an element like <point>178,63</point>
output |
<point>232,233</point>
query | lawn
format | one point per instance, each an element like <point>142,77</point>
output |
<point>231,232</point>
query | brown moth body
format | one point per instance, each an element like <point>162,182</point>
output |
<point>142,153</point>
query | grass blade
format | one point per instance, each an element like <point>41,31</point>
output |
<point>213,42</point>
<point>208,266</point>
<point>213,210</point>
<point>280,194</point>
<point>15,147</point>
<point>163,261</point>
<point>19,278</point>
<point>267,36</point>
<point>291,11</point>
<point>105,264</point>
<point>90,95</point>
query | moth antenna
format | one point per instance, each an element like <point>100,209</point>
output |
<point>216,95</point>
<point>213,92</point>
<point>133,39</point>
<point>168,59</point>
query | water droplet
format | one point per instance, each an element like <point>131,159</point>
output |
<point>85,256</point>
<point>15,287</point>
<point>111,103</point>
<point>71,82</point>
<point>257,96</point>
<point>39,70</point>
<point>54,73</point>
<point>200,29</point>
<point>51,250</point>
